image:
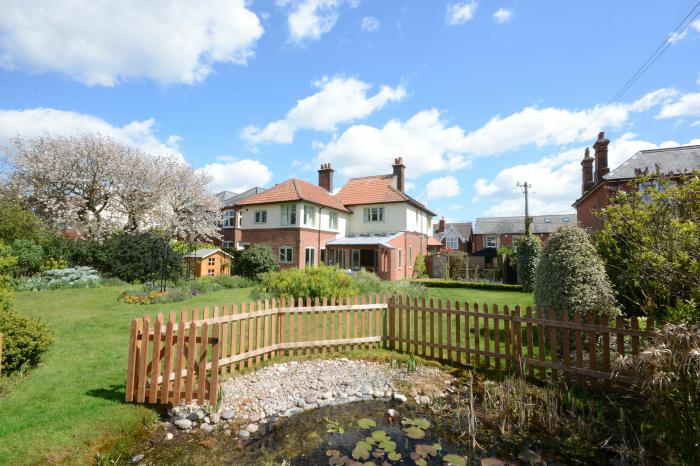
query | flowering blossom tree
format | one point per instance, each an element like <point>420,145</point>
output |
<point>97,186</point>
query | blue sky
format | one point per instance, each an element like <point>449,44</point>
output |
<point>473,95</point>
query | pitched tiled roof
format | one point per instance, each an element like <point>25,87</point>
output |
<point>433,241</point>
<point>516,225</point>
<point>295,189</point>
<point>672,160</point>
<point>375,190</point>
<point>464,229</point>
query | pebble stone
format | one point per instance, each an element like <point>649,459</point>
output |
<point>137,458</point>
<point>183,424</point>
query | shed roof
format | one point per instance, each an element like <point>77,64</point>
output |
<point>205,252</point>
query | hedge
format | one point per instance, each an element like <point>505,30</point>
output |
<point>474,285</point>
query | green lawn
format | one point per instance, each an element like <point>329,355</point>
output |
<point>72,404</point>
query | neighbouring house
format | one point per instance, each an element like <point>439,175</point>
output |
<point>434,246</point>
<point>599,186</point>
<point>490,233</point>
<point>230,216</point>
<point>208,263</point>
<point>370,223</point>
<point>454,236</point>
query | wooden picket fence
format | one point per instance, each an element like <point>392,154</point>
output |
<point>178,361</point>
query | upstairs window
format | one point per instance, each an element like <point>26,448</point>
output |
<point>374,214</point>
<point>211,261</point>
<point>289,214</point>
<point>547,220</point>
<point>229,218</point>
<point>333,220</point>
<point>452,242</point>
<point>400,258</point>
<point>309,215</point>
<point>566,219</point>
<point>490,241</point>
<point>261,216</point>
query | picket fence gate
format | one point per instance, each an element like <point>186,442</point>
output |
<point>180,361</point>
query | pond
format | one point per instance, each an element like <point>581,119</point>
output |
<point>354,434</point>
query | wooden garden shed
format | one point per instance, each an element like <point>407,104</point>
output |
<point>209,262</point>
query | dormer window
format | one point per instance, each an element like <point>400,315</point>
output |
<point>547,220</point>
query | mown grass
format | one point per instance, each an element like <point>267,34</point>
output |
<point>72,406</point>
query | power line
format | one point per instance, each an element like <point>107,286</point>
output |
<point>663,46</point>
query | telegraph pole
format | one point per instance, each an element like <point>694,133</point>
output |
<point>525,186</point>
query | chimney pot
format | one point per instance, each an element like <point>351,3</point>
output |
<point>601,157</point>
<point>441,225</point>
<point>399,169</point>
<point>325,177</point>
<point>586,171</point>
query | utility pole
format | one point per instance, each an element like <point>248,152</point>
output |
<point>525,186</point>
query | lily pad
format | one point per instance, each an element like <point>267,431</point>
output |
<point>387,445</point>
<point>361,450</point>
<point>418,422</point>
<point>366,423</point>
<point>455,460</point>
<point>423,450</point>
<point>421,462</point>
<point>414,432</point>
<point>380,435</point>
<point>394,456</point>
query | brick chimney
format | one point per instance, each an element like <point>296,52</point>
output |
<point>399,169</point>
<point>325,177</point>
<point>601,157</point>
<point>587,171</point>
<point>441,226</point>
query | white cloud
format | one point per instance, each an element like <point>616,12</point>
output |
<point>503,15</point>
<point>446,186</point>
<point>554,126</point>
<point>687,105</point>
<point>425,142</point>
<point>696,25</point>
<point>310,19</point>
<point>236,175</point>
<point>555,179</point>
<point>39,121</point>
<point>370,24</point>
<point>103,43</point>
<point>338,100</point>
<point>428,143</point>
<point>460,13</point>
<point>675,37</point>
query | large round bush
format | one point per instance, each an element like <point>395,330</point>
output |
<point>312,282</point>
<point>138,257</point>
<point>528,250</point>
<point>24,340</point>
<point>255,261</point>
<point>570,276</point>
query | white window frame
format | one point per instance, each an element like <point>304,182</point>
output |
<point>566,219</point>
<point>452,240</point>
<point>495,241</point>
<point>548,220</point>
<point>260,216</point>
<point>229,218</point>
<point>355,264</point>
<point>400,258</point>
<point>240,218</point>
<point>373,214</point>
<point>288,251</point>
<point>227,244</point>
<point>288,214</point>
<point>333,220</point>
<point>306,256</point>
<point>309,214</point>
<point>410,256</point>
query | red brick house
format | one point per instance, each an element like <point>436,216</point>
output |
<point>370,223</point>
<point>454,236</point>
<point>599,187</point>
<point>230,216</point>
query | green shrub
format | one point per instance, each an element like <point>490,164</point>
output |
<point>18,222</point>
<point>233,281</point>
<point>205,285</point>
<point>138,257</point>
<point>255,261</point>
<point>684,312</point>
<point>30,257</point>
<point>475,285</point>
<point>71,277</point>
<point>312,282</point>
<point>528,250</point>
<point>419,268</point>
<point>24,340</point>
<point>570,276</point>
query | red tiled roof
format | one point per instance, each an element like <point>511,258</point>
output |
<point>295,189</point>
<point>432,241</point>
<point>375,190</point>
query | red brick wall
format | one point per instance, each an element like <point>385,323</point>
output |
<point>403,242</point>
<point>297,238</point>
<point>596,200</point>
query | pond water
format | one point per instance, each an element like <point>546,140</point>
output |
<point>333,436</point>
